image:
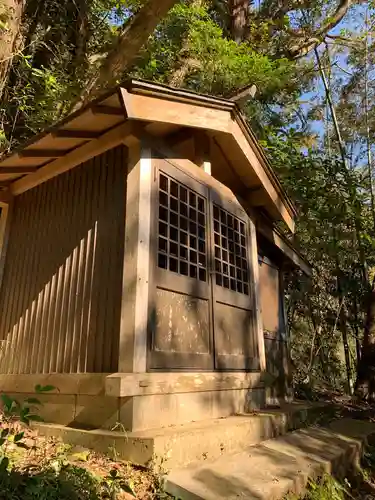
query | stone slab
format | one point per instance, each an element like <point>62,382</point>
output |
<point>142,384</point>
<point>179,445</point>
<point>112,443</point>
<point>164,410</point>
<point>92,384</point>
<point>275,467</point>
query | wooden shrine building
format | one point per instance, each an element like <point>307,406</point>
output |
<point>141,272</point>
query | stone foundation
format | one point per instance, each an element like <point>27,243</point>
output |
<point>135,402</point>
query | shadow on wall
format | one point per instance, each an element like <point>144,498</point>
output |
<point>60,302</point>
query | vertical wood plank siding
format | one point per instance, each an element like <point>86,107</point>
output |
<point>61,292</point>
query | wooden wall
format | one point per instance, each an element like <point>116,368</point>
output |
<point>271,299</point>
<point>274,323</point>
<point>60,296</point>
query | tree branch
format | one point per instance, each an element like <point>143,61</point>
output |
<point>122,54</point>
<point>178,76</point>
<point>314,38</point>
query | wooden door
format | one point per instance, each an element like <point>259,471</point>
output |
<point>234,338</point>
<point>181,330</point>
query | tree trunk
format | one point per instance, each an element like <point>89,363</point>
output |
<point>123,53</point>
<point>238,10</point>
<point>344,333</point>
<point>365,384</point>
<point>11,12</point>
<point>356,332</point>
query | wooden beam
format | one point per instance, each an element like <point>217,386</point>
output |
<point>120,134</point>
<point>76,134</point>
<point>17,170</point>
<point>152,109</point>
<point>42,153</point>
<point>106,110</point>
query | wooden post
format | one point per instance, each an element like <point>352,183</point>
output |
<point>258,324</point>
<point>136,272</point>
<point>202,151</point>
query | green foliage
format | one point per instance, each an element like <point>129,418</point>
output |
<point>59,479</point>
<point>114,483</point>
<point>188,37</point>
<point>328,488</point>
<point>331,205</point>
<point>71,483</point>
<point>25,412</point>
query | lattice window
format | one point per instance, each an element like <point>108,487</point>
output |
<point>182,231</point>
<point>231,267</point>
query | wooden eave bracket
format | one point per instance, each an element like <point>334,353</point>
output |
<point>123,133</point>
<point>285,247</point>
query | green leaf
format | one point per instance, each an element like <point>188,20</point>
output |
<point>18,437</point>
<point>44,388</point>
<point>33,401</point>
<point>4,463</point>
<point>81,456</point>
<point>35,418</point>
<point>22,445</point>
<point>126,487</point>
<point>2,441</point>
<point>7,402</point>
<point>24,415</point>
<point>4,432</point>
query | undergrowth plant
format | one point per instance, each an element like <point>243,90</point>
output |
<point>59,478</point>
<point>328,488</point>
<point>13,412</point>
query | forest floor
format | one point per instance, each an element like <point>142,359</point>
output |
<point>48,469</point>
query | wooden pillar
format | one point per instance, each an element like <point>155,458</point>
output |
<point>258,324</point>
<point>136,271</point>
<point>202,151</point>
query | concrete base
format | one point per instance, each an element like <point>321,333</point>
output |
<point>192,442</point>
<point>161,399</point>
<point>139,401</point>
<point>165,410</point>
<point>276,467</point>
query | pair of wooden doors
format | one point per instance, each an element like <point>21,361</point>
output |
<point>202,286</point>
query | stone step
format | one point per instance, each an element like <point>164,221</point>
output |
<point>181,445</point>
<point>276,467</point>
